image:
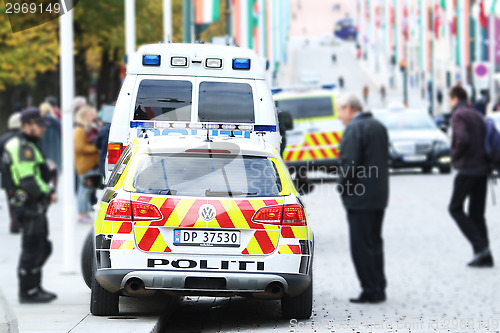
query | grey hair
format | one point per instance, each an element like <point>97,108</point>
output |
<point>351,100</point>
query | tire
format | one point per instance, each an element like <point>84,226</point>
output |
<point>300,306</point>
<point>87,259</point>
<point>444,170</point>
<point>102,302</point>
<point>427,169</point>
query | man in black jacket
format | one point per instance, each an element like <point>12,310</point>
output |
<point>364,188</point>
<point>469,158</point>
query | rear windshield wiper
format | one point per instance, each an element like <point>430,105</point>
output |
<point>215,193</point>
<point>167,192</point>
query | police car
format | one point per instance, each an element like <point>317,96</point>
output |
<point>209,216</point>
<point>317,131</point>
<point>192,83</point>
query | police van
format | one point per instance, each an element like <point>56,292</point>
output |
<point>315,139</point>
<point>196,83</point>
<point>216,216</point>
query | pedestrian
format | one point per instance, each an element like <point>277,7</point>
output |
<point>364,188</point>
<point>366,94</point>
<point>13,126</point>
<point>50,144</point>
<point>341,82</point>
<point>383,93</point>
<point>53,102</point>
<point>33,194</point>
<point>334,58</point>
<point>496,107</point>
<point>482,102</point>
<point>86,159</point>
<point>469,158</point>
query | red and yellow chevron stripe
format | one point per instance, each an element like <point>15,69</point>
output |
<point>316,146</point>
<point>230,214</point>
<point>289,249</point>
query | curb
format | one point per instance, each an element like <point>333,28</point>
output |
<point>8,321</point>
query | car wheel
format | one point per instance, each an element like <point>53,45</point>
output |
<point>102,302</point>
<point>300,306</point>
<point>444,170</point>
<point>87,259</point>
<point>427,169</point>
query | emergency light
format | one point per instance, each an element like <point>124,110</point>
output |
<point>241,64</point>
<point>151,60</point>
<point>178,62</point>
<point>215,63</point>
<point>202,126</point>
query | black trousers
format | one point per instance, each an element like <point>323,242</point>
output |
<point>473,223</point>
<point>35,250</point>
<point>365,229</point>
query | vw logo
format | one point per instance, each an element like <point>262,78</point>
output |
<point>207,212</point>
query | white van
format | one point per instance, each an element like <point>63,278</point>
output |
<point>179,85</point>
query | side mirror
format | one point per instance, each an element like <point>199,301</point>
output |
<point>285,120</point>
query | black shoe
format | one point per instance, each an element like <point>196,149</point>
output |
<point>368,298</point>
<point>37,295</point>
<point>43,291</point>
<point>482,259</point>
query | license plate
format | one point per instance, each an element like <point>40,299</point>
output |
<point>415,158</point>
<point>206,238</point>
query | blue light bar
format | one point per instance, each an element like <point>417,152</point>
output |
<point>276,90</point>
<point>330,86</point>
<point>264,128</point>
<point>202,126</point>
<point>141,124</point>
<point>151,60</point>
<point>241,64</point>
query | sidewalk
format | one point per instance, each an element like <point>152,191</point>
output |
<point>70,311</point>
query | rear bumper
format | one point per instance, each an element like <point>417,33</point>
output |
<point>115,280</point>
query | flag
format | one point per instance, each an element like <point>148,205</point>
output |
<point>493,4</point>
<point>482,15</point>
<point>206,11</point>
<point>443,5</point>
<point>437,20</point>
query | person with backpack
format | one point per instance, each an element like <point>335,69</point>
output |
<point>469,157</point>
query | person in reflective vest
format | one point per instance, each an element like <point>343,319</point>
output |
<point>33,194</point>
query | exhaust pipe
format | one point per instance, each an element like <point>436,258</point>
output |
<point>135,286</point>
<point>275,290</point>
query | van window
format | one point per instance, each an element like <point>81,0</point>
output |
<point>164,100</point>
<point>226,102</point>
<point>307,107</point>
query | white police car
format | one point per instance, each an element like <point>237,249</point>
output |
<point>192,83</point>
<point>216,216</point>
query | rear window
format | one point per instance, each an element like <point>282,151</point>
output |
<point>202,175</point>
<point>226,102</point>
<point>312,107</point>
<point>164,100</point>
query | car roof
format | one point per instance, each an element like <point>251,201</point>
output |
<point>161,144</point>
<point>196,55</point>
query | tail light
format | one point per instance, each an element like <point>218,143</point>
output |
<point>125,210</point>
<point>294,215</point>
<point>281,215</point>
<point>115,150</point>
<point>269,215</point>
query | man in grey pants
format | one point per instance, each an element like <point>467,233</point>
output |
<point>364,188</point>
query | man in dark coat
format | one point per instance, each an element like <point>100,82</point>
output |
<point>364,188</point>
<point>469,158</point>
